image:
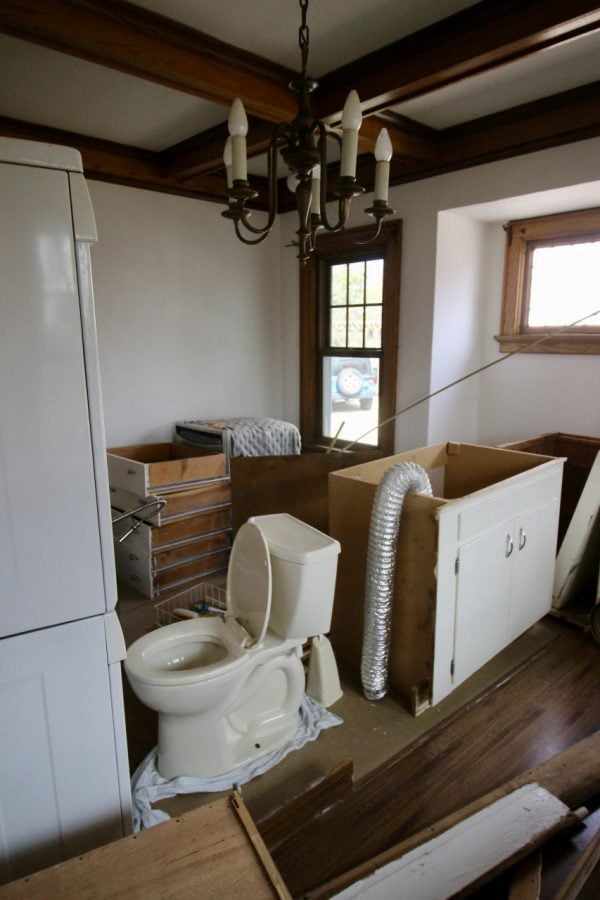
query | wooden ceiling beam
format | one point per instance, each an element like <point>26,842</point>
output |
<point>122,164</point>
<point>480,38</point>
<point>132,40</point>
<point>203,152</point>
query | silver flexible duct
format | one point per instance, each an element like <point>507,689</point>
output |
<point>381,559</point>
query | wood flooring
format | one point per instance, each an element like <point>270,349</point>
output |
<point>548,705</point>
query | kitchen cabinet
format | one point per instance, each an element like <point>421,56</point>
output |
<point>474,562</point>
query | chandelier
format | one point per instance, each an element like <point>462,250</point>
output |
<point>303,147</point>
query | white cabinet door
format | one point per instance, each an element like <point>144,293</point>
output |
<point>482,589</point>
<point>533,567</point>
<point>50,555</point>
<point>59,792</point>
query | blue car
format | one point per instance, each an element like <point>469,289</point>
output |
<point>353,379</point>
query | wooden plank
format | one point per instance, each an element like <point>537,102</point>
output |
<point>578,553</point>
<point>322,793</point>
<point>204,853</point>
<point>577,878</point>
<point>469,853</point>
<point>260,847</point>
<point>527,878</point>
<point>491,742</point>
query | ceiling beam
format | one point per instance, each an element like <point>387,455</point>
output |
<point>122,164</point>
<point>132,40</point>
<point>203,152</point>
<point>475,40</point>
<point>564,118</point>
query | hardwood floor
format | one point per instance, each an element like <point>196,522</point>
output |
<point>548,705</point>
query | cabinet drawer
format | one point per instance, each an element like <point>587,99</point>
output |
<point>159,468</point>
<point>150,538</point>
<point>500,506</point>
<point>179,504</point>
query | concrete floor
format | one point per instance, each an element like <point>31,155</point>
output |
<point>371,731</point>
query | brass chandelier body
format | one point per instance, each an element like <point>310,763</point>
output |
<point>302,144</point>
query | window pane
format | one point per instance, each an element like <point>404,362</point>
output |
<point>373,326</point>
<point>339,282</point>
<point>564,285</point>
<point>374,281</point>
<point>351,398</point>
<point>338,326</point>
<point>356,319</point>
<point>356,282</point>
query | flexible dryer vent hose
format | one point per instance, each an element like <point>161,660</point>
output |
<point>381,559</point>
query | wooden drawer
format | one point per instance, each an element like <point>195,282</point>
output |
<point>139,573</point>
<point>180,504</point>
<point>149,538</point>
<point>145,469</point>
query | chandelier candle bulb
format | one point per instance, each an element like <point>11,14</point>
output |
<point>315,205</point>
<point>228,161</point>
<point>238,129</point>
<point>351,122</point>
<point>383,155</point>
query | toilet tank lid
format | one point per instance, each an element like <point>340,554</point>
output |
<point>292,540</point>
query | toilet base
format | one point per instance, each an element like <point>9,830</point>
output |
<point>264,718</point>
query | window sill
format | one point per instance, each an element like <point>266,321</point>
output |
<point>559,343</point>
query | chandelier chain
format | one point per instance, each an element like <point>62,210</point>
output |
<point>303,36</point>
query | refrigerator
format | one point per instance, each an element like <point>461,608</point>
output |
<point>64,778</point>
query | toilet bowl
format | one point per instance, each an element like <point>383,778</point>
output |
<point>229,689</point>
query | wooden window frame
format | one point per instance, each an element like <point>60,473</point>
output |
<point>522,236</point>
<point>338,248</point>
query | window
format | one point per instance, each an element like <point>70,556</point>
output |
<point>349,299</point>
<point>551,280</point>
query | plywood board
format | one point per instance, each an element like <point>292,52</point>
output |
<point>579,551</point>
<point>261,485</point>
<point>206,853</point>
<point>471,852</point>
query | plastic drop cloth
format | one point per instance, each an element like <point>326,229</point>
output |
<point>148,786</point>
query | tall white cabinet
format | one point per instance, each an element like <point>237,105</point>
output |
<point>64,781</point>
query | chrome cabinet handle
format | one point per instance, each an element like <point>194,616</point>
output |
<point>522,538</point>
<point>509,546</point>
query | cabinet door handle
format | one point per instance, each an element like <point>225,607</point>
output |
<point>509,546</point>
<point>522,538</point>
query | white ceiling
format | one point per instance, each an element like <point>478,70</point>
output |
<point>48,88</point>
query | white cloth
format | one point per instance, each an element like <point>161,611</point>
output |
<point>148,786</point>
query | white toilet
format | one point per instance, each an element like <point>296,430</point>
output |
<point>229,689</point>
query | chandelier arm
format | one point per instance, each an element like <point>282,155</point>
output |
<point>246,240</point>
<point>343,207</point>
<point>368,240</point>
<point>282,131</point>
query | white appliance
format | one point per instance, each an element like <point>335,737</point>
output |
<point>64,779</point>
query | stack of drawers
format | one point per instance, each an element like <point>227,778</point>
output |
<point>186,540</point>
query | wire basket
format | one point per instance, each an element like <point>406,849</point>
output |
<point>203,599</point>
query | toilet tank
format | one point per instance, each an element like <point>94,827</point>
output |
<point>303,565</point>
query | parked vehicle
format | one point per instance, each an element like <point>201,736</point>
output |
<point>353,378</point>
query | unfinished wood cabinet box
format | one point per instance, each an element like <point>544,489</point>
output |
<point>474,563</point>
<point>579,452</point>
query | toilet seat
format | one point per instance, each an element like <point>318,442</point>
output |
<point>249,582</point>
<point>151,658</point>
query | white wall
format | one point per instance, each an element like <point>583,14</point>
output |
<point>188,318</point>
<point>193,324</point>
<point>451,286</point>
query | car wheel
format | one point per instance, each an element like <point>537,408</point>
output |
<point>349,382</point>
<point>366,403</point>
